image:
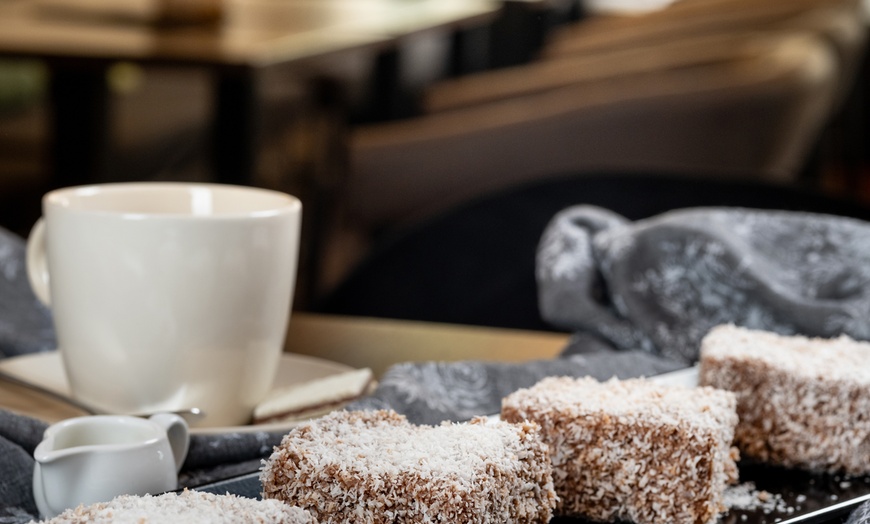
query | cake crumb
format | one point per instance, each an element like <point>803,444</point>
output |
<point>745,497</point>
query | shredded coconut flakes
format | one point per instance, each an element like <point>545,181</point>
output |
<point>189,507</point>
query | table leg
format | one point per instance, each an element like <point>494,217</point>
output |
<point>470,50</point>
<point>321,178</point>
<point>518,33</point>
<point>79,99</point>
<point>383,89</point>
<point>235,129</point>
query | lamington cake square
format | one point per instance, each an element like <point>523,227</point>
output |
<point>375,467</point>
<point>802,402</point>
<point>633,449</point>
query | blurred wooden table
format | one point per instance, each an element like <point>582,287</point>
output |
<point>379,343</point>
<point>253,36</point>
<point>360,342</point>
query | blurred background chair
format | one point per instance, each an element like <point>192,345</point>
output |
<point>736,105</point>
<point>841,23</point>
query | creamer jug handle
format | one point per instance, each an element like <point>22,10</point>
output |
<point>178,433</point>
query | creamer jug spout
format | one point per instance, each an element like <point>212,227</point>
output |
<point>55,468</point>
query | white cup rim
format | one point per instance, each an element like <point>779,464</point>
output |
<point>204,200</point>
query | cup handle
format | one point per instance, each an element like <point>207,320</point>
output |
<point>177,432</point>
<point>37,263</point>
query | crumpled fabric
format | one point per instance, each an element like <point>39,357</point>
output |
<point>25,324</point>
<point>18,438</point>
<point>433,392</point>
<point>661,283</point>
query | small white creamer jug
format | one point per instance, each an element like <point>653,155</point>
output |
<point>96,458</point>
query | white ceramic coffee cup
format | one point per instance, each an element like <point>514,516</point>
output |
<point>168,296</point>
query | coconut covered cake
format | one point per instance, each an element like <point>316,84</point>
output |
<point>375,467</point>
<point>803,402</point>
<point>633,449</point>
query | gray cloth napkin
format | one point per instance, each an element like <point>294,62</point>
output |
<point>18,438</point>
<point>660,284</point>
<point>432,392</point>
<point>25,324</point>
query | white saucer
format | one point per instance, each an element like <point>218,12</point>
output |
<point>46,370</point>
<point>687,377</point>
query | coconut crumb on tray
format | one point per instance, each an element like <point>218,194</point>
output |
<point>802,402</point>
<point>189,507</point>
<point>745,496</point>
<point>375,467</point>
<point>633,449</point>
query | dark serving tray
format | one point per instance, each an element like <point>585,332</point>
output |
<point>800,497</point>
